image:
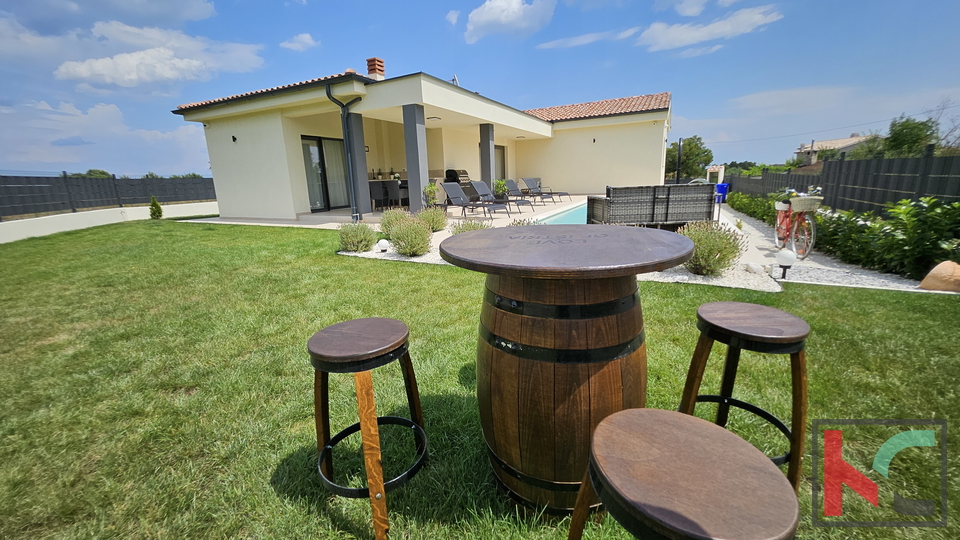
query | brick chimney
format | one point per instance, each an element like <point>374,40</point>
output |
<point>375,68</point>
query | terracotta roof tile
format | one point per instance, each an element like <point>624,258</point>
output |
<point>606,107</point>
<point>264,91</point>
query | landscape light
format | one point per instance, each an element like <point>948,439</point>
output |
<point>786,258</point>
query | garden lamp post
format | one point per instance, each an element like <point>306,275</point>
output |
<point>786,258</point>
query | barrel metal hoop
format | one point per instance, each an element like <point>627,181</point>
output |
<point>566,311</point>
<point>562,356</point>
<point>549,485</point>
<point>751,408</point>
<point>361,493</point>
<point>527,503</point>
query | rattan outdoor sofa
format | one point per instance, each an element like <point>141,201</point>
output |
<point>653,205</point>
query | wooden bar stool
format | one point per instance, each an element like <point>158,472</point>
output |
<point>357,347</point>
<point>760,329</point>
<point>662,474</point>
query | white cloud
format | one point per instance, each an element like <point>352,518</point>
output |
<point>161,56</point>
<point>687,8</point>
<point>700,51</point>
<point>452,16</point>
<point>500,16</point>
<point>66,138</point>
<point>300,42</point>
<point>586,39</point>
<point>792,100</point>
<point>660,36</point>
<point>726,3</point>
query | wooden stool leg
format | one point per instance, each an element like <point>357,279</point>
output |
<point>726,384</point>
<point>695,374</point>
<point>370,434</point>
<point>586,497</point>
<point>798,427</point>
<point>321,414</point>
<point>410,384</point>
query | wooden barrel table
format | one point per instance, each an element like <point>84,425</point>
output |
<point>561,343</point>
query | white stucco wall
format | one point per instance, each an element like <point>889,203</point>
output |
<point>585,156</point>
<point>461,150</point>
<point>252,175</point>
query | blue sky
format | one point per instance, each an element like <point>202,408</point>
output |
<point>91,83</point>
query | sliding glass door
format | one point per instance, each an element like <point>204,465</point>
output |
<point>326,168</point>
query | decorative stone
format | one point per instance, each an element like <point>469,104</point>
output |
<point>754,268</point>
<point>944,277</point>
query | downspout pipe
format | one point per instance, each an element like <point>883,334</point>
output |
<point>348,150</point>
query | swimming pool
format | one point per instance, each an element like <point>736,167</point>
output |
<point>571,216</point>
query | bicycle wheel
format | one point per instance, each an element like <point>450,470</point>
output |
<point>781,228</point>
<point>804,235</point>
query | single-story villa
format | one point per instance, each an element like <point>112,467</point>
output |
<point>313,146</point>
<point>810,152</point>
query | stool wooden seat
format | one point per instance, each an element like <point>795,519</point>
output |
<point>357,347</point>
<point>662,474</point>
<point>761,329</point>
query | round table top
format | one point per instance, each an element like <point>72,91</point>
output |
<point>357,339</point>
<point>754,322</point>
<point>679,473</point>
<point>567,251</point>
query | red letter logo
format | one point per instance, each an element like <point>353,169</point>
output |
<point>837,472</point>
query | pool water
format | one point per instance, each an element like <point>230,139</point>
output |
<point>571,216</point>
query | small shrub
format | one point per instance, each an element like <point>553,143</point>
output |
<point>390,218</point>
<point>468,225</point>
<point>756,207</point>
<point>356,237</point>
<point>410,237</point>
<point>716,247</point>
<point>155,211</point>
<point>435,217</point>
<point>500,188</point>
<point>739,224</point>
<point>430,193</point>
<point>524,221</point>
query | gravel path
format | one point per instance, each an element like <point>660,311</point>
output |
<point>816,269</point>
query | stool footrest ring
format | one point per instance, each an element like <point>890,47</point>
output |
<point>749,407</point>
<point>403,478</point>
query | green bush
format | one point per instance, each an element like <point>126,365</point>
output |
<point>520,222</point>
<point>500,188</point>
<point>390,218</point>
<point>468,225</point>
<point>756,207</point>
<point>155,211</point>
<point>356,237</point>
<point>430,193</point>
<point>410,237</point>
<point>435,217</point>
<point>914,237</point>
<point>716,247</point>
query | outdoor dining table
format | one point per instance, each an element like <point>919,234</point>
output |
<point>561,343</point>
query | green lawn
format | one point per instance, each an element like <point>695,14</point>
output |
<point>154,383</point>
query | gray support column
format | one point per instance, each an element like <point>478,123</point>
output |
<point>415,144</point>
<point>486,155</point>
<point>358,161</point>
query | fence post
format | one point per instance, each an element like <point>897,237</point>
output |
<point>835,179</point>
<point>66,186</point>
<point>116,192</point>
<point>925,167</point>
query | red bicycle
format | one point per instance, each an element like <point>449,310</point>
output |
<point>795,221</point>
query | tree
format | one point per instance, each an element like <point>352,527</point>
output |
<point>92,173</point>
<point>694,159</point>
<point>908,137</point>
<point>151,174</point>
<point>828,153</point>
<point>188,175</point>
<point>871,148</point>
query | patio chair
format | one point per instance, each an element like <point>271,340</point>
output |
<point>393,192</point>
<point>456,197</point>
<point>535,183</point>
<point>487,196</point>
<point>532,189</point>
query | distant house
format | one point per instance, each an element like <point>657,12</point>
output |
<point>809,152</point>
<point>314,146</point>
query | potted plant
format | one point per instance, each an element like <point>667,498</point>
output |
<point>500,190</point>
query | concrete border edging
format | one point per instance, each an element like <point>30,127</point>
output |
<point>11,231</point>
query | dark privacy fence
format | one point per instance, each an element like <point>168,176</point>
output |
<point>866,185</point>
<point>20,195</point>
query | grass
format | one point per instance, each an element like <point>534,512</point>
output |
<point>154,383</point>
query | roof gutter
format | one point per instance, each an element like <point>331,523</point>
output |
<point>348,150</point>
